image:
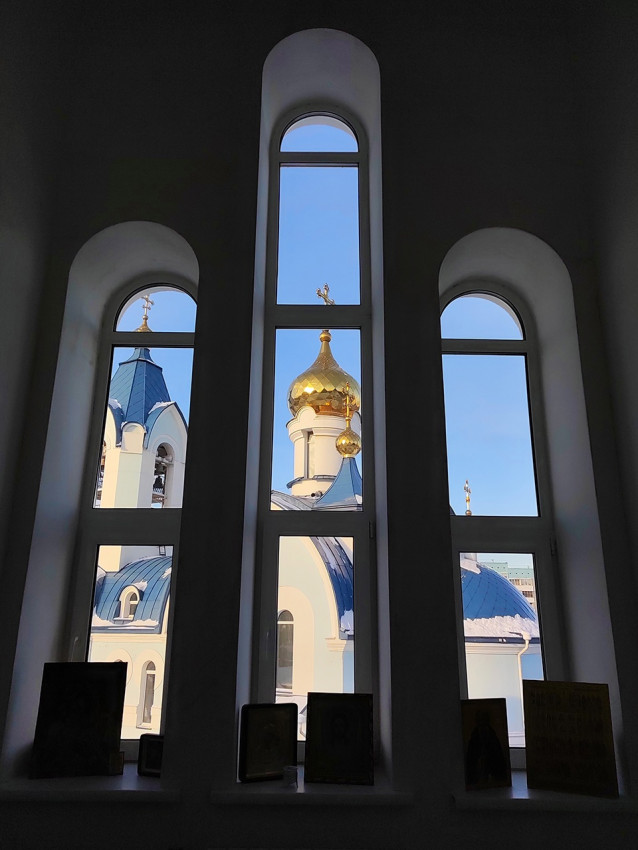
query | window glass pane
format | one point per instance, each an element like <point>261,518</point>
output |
<point>313,368</point>
<point>501,628</point>
<point>316,591</point>
<point>129,623</point>
<point>320,133</point>
<point>480,316</point>
<point>318,234</point>
<point>488,434</point>
<point>165,309</point>
<point>145,431</point>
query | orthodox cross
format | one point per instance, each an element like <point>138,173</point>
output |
<point>147,306</point>
<point>323,293</point>
<point>468,493</point>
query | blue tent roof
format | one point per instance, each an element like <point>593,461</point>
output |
<point>344,490</point>
<point>152,578</point>
<point>488,594</point>
<point>137,386</point>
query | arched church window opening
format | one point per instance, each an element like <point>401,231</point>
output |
<point>481,315</point>
<point>494,497</point>
<point>148,343</point>
<point>317,379</point>
<point>319,133</point>
<point>163,462</point>
<point>318,197</point>
<point>148,397</point>
<point>129,601</point>
<point>487,413</point>
<point>285,643</point>
<point>165,310</point>
<point>148,693</point>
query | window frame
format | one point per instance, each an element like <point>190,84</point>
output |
<point>273,525</point>
<point>513,534</point>
<point>99,526</point>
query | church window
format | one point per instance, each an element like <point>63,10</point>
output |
<point>129,600</point>
<point>318,222</point>
<point>319,133</point>
<point>148,694</point>
<point>317,373</point>
<point>142,437</point>
<point>487,413</point>
<point>285,645</point>
<point>499,499</point>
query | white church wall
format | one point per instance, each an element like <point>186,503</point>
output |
<point>136,651</point>
<point>302,572</point>
<point>493,670</point>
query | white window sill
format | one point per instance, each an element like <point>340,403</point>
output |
<point>521,798</point>
<point>129,787</point>
<point>272,792</point>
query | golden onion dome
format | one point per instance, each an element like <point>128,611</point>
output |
<point>322,385</point>
<point>348,442</point>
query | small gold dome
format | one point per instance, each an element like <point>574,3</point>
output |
<point>322,385</point>
<point>348,442</point>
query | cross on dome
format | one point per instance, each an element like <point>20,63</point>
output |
<point>144,328</point>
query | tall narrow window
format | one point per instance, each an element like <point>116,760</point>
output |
<point>498,497</point>
<point>142,440</point>
<point>285,646</point>
<point>317,491</point>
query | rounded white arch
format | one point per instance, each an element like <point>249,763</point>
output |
<point>296,73</point>
<point>133,253</point>
<point>527,268</point>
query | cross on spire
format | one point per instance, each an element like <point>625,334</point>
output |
<point>147,306</point>
<point>324,293</point>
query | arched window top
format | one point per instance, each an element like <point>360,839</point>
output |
<point>480,315</point>
<point>319,134</point>
<point>164,308</point>
<point>285,617</point>
<point>129,600</point>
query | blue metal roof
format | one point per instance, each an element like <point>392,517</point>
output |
<point>341,573</point>
<point>488,594</point>
<point>138,385</point>
<point>152,578</point>
<point>335,559</point>
<point>344,490</point>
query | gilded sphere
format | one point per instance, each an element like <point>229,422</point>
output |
<point>348,443</point>
<point>322,385</point>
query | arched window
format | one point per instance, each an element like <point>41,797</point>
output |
<point>142,435</point>
<point>70,531</point>
<point>285,644</point>
<point>553,547</point>
<point>497,477</point>
<point>129,600</point>
<point>148,694</point>
<point>317,380</point>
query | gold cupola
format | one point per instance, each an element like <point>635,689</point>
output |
<point>322,385</point>
<point>348,442</point>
